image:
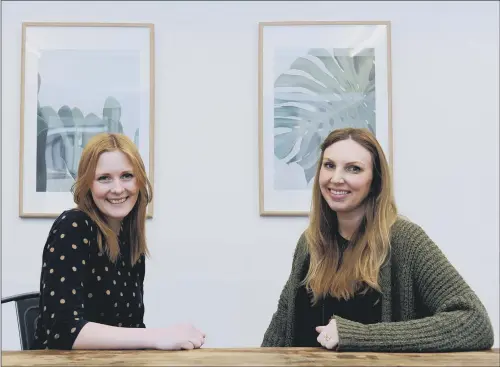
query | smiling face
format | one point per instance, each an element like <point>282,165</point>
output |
<point>346,176</point>
<point>114,188</point>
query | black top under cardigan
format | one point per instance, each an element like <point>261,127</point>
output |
<point>363,308</point>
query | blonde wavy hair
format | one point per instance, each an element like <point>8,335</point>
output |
<point>135,222</point>
<point>370,244</point>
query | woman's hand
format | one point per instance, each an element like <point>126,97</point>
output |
<point>183,336</point>
<point>328,335</point>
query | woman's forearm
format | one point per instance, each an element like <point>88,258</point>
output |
<point>99,336</point>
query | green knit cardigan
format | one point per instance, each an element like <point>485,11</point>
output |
<point>426,305</point>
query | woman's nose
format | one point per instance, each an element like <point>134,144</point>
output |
<point>337,178</point>
<point>117,187</point>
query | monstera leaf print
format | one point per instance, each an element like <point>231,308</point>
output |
<point>321,91</point>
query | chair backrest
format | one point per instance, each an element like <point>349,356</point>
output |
<point>28,312</point>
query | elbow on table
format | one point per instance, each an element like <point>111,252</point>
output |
<point>481,335</point>
<point>486,336</point>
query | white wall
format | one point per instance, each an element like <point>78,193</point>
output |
<point>215,261</point>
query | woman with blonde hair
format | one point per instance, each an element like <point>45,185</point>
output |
<point>92,276</point>
<point>365,279</point>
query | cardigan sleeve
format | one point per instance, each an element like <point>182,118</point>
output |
<point>275,335</point>
<point>458,320</point>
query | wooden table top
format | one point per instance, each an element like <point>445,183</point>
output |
<point>245,357</point>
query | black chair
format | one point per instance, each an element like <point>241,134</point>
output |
<point>27,315</point>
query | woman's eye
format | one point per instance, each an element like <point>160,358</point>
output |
<point>103,178</point>
<point>127,176</point>
<point>328,165</point>
<point>354,169</point>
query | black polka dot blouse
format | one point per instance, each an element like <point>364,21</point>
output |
<point>78,283</point>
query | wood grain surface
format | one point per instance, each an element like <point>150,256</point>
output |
<point>245,357</point>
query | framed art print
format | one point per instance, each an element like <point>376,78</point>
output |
<point>315,77</point>
<point>78,80</point>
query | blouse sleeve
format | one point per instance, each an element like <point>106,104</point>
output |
<point>65,258</point>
